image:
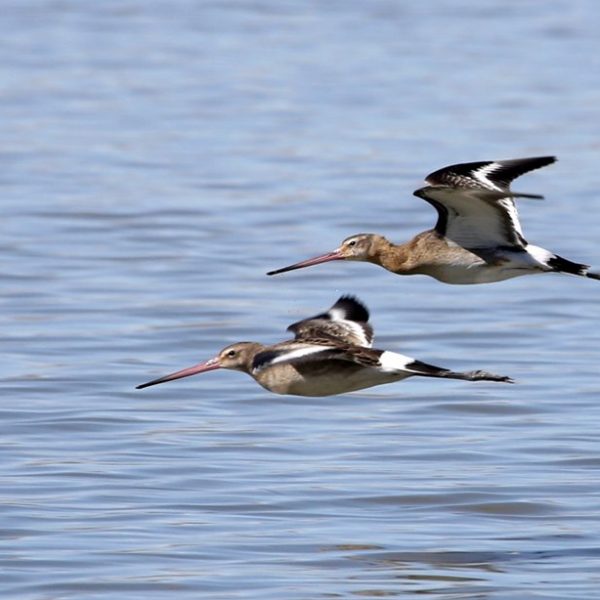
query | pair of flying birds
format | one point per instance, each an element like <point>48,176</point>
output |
<point>477,239</point>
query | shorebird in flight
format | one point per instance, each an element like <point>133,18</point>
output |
<point>330,354</point>
<point>477,237</point>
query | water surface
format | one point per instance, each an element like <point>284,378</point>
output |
<point>158,159</point>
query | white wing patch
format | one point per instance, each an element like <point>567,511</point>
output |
<point>357,330</point>
<point>359,333</point>
<point>297,353</point>
<point>477,221</point>
<point>508,204</point>
<point>481,175</point>
<point>337,314</point>
<point>269,358</point>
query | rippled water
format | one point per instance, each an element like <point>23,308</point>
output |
<point>157,159</point>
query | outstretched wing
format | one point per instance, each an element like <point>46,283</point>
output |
<point>475,204</point>
<point>346,322</point>
<point>314,350</point>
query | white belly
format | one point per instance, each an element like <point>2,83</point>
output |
<point>500,266</point>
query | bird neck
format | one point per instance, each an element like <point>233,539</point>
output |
<point>246,362</point>
<point>393,257</point>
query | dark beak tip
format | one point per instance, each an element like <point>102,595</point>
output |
<point>279,271</point>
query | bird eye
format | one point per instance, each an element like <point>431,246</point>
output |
<point>352,243</point>
<point>231,354</point>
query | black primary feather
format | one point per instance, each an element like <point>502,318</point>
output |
<point>352,309</point>
<point>502,173</point>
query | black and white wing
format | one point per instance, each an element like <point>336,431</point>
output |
<point>314,351</point>
<point>340,333</point>
<point>345,322</point>
<point>475,205</point>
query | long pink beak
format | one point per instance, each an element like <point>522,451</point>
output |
<point>209,365</point>
<point>317,260</point>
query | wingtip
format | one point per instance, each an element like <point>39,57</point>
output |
<point>493,174</point>
<point>527,196</point>
<point>546,159</point>
<point>353,308</point>
<point>535,162</point>
<point>350,298</point>
<point>550,159</point>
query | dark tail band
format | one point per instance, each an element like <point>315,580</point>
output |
<point>562,265</point>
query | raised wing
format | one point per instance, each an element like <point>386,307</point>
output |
<point>346,322</point>
<point>475,204</point>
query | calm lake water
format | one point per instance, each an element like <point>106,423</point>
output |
<point>157,159</point>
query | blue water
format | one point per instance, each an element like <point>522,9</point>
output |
<point>157,159</point>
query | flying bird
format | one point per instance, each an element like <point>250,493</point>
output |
<point>477,237</point>
<point>330,354</point>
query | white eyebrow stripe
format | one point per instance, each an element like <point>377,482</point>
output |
<point>359,332</point>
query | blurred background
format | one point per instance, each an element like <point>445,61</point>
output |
<point>157,159</point>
